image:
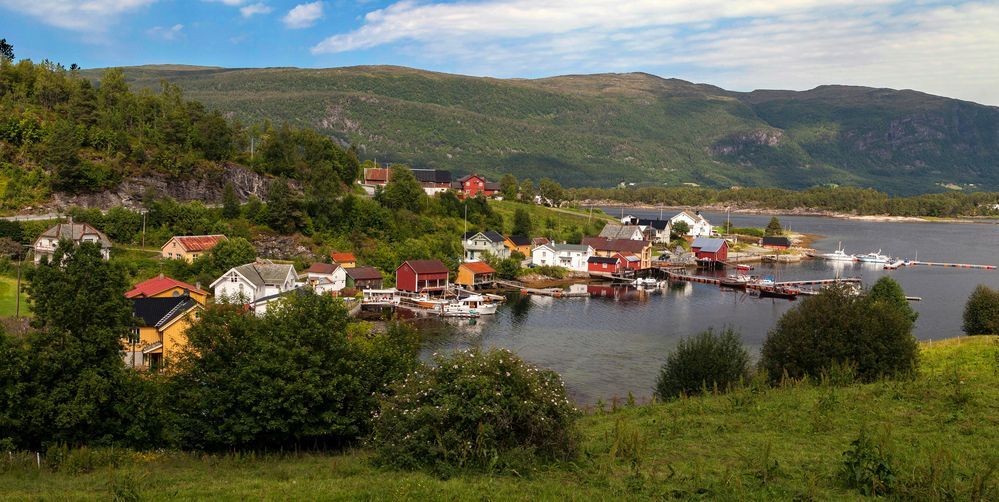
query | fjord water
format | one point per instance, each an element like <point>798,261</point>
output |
<point>611,345</point>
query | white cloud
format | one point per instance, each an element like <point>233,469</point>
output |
<point>86,16</point>
<point>166,32</point>
<point>304,15</point>
<point>254,9</point>
<point>930,46</point>
<point>231,3</point>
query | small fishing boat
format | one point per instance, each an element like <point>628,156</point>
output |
<point>744,268</point>
<point>428,303</point>
<point>838,255</point>
<point>736,281</point>
<point>470,306</point>
<point>873,258</point>
<point>646,282</point>
<point>782,292</point>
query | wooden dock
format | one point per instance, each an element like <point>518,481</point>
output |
<point>806,282</point>
<point>912,263</point>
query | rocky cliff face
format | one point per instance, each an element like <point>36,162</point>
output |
<point>131,191</point>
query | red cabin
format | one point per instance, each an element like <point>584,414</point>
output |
<point>709,249</point>
<point>421,276</point>
<point>473,184</point>
<point>604,264</point>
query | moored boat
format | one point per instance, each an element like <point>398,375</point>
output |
<point>782,292</point>
<point>873,258</point>
<point>470,306</point>
<point>736,281</point>
<point>838,255</point>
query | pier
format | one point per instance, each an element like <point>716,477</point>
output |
<point>911,263</point>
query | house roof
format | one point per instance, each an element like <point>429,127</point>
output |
<point>519,240</point>
<point>693,216</point>
<point>192,243</point>
<point>656,224</point>
<point>617,245</point>
<point>264,272</point>
<point>75,232</point>
<point>707,244</point>
<point>432,176</point>
<point>322,268</point>
<point>364,273</point>
<point>618,231</point>
<point>376,174</point>
<point>572,248</point>
<point>539,241</point>
<point>155,312</point>
<point>774,240</point>
<point>601,259</point>
<point>493,236</point>
<point>470,176</point>
<point>343,257</point>
<point>426,266</point>
<point>159,284</point>
<point>492,186</point>
<point>478,267</point>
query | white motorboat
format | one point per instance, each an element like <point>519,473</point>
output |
<point>838,255</point>
<point>470,306</point>
<point>873,258</point>
<point>646,282</point>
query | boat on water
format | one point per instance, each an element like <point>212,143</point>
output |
<point>738,281</point>
<point>744,268</point>
<point>838,255</point>
<point>428,303</point>
<point>782,292</point>
<point>646,282</point>
<point>873,258</point>
<point>470,306</point>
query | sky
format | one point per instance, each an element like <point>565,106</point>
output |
<point>945,48</point>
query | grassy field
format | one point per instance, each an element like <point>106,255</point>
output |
<point>8,300</point>
<point>939,435</point>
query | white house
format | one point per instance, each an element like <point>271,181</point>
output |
<point>698,225</point>
<point>615,231</point>
<point>477,244</point>
<point>78,233</point>
<point>326,277</point>
<point>255,284</point>
<point>570,256</point>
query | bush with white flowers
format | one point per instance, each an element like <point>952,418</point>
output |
<point>474,409</point>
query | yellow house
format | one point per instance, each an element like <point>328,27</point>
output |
<point>518,243</point>
<point>345,260</point>
<point>475,274</point>
<point>189,247</point>
<point>165,287</point>
<point>161,333</point>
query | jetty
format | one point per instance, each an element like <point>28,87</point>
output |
<point>913,263</point>
<point>756,285</point>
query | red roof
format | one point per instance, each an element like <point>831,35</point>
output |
<point>199,242</point>
<point>479,267</point>
<point>616,245</point>
<point>376,174</point>
<point>322,268</point>
<point>159,284</point>
<point>427,266</point>
<point>343,257</point>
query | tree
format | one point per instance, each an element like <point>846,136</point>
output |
<point>6,50</point>
<point>225,255</point>
<point>774,228</point>
<point>706,361</point>
<point>679,229</point>
<point>888,290</point>
<point>61,147</point>
<point>838,327</point>
<point>282,211</point>
<point>527,191</point>
<point>403,191</point>
<point>551,191</point>
<point>230,202</point>
<point>508,187</point>
<point>299,375</point>
<point>522,224</point>
<point>981,313</point>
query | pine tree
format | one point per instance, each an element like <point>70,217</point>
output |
<point>230,203</point>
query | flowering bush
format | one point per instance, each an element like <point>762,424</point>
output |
<point>484,410</point>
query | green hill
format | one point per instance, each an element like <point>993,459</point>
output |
<point>603,129</point>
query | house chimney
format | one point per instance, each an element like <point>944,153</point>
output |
<point>161,275</point>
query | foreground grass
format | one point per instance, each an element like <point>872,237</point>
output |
<point>941,432</point>
<point>8,298</point>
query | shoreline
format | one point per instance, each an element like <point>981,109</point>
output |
<point>880,218</point>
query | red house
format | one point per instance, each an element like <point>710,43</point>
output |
<point>710,249</point>
<point>604,264</point>
<point>473,184</point>
<point>421,276</point>
<point>773,242</point>
<point>630,261</point>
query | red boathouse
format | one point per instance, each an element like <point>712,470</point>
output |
<point>421,276</point>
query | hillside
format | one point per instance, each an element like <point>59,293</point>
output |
<point>598,130</point>
<point>933,437</point>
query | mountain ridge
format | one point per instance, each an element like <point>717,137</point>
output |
<point>601,129</point>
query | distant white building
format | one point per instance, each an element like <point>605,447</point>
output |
<point>255,284</point>
<point>697,224</point>
<point>326,277</point>
<point>570,256</point>
<point>78,233</point>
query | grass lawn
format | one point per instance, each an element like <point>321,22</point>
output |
<point>8,286</point>
<point>939,435</point>
<point>563,219</point>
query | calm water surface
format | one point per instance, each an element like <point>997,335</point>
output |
<point>615,341</point>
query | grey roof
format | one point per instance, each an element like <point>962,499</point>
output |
<point>75,232</point>
<point>656,224</point>
<point>569,247</point>
<point>601,259</point>
<point>519,240</point>
<point>155,312</point>
<point>432,175</point>
<point>493,236</point>
<point>618,231</point>
<point>707,244</point>
<point>262,273</point>
<point>773,240</point>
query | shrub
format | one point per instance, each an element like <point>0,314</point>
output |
<point>867,466</point>
<point>981,313</point>
<point>480,410</point>
<point>705,361</point>
<point>838,327</point>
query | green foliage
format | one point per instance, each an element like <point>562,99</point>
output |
<point>527,191</point>
<point>839,327</point>
<point>225,255</point>
<point>679,229</point>
<point>890,292</point>
<point>522,224</point>
<point>981,313</point>
<point>230,202</point>
<point>867,466</point>
<point>480,410</point>
<point>551,192</point>
<point>291,377</point>
<point>774,228</point>
<point>403,191</point>
<point>283,211</point>
<point>508,187</point>
<point>704,362</point>
<point>6,50</point>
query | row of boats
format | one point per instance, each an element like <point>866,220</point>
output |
<point>458,305</point>
<point>841,255</point>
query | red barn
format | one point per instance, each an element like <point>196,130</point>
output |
<point>630,261</point>
<point>421,276</point>
<point>710,249</point>
<point>473,184</point>
<point>604,264</point>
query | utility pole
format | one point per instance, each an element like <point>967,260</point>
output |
<point>17,294</point>
<point>144,211</point>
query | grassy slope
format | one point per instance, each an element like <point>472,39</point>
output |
<point>942,429</point>
<point>601,129</point>
<point>8,301</point>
